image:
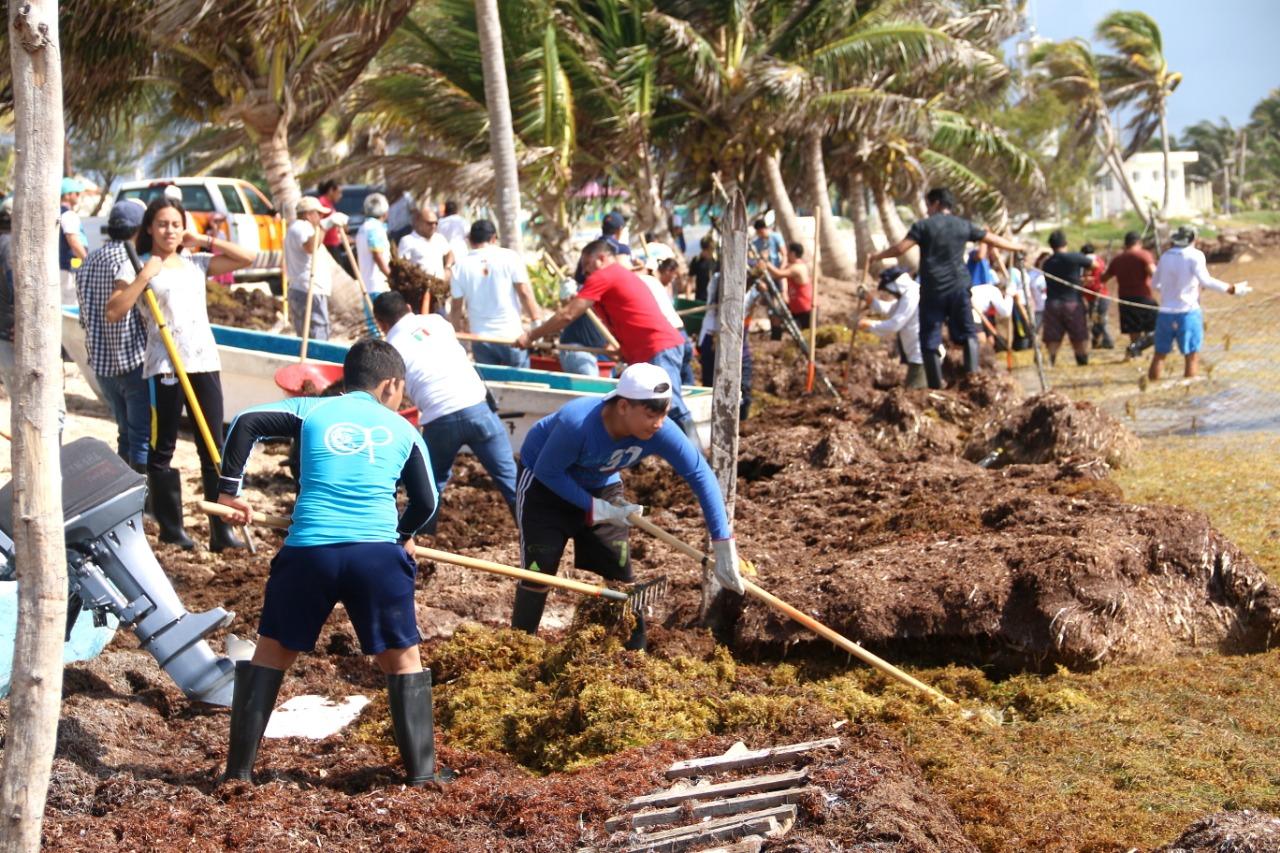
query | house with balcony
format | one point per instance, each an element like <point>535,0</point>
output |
<point>1188,197</point>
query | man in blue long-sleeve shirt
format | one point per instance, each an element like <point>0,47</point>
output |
<point>569,487</point>
<point>347,543</point>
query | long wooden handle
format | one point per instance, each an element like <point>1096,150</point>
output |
<point>282,522</point>
<point>604,330</point>
<point>804,619</point>
<point>364,291</point>
<point>510,342</point>
<point>311,288</point>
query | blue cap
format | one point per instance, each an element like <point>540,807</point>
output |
<point>614,222</point>
<point>71,185</point>
<point>127,213</point>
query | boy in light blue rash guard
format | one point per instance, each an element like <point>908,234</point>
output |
<point>347,543</point>
<point>569,488</point>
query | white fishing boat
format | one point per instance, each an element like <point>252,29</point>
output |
<point>250,360</point>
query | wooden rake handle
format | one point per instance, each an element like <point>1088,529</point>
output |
<point>803,618</point>
<point>282,523</point>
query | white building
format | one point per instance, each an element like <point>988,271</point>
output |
<point>1146,172</point>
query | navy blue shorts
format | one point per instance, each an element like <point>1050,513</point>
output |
<point>952,309</point>
<point>373,580</point>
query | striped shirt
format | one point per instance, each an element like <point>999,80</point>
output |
<point>114,348</point>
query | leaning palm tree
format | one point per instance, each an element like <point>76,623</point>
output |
<point>259,71</point>
<point>502,141</point>
<point>1070,70</point>
<point>1138,76</point>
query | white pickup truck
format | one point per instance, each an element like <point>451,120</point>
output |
<point>250,219</point>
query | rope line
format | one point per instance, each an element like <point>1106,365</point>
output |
<point>1119,301</point>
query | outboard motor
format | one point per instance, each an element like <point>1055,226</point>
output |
<point>111,569</point>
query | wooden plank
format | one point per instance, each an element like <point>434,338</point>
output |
<point>754,758</point>
<point>724,829</point>
<point>715,808</point>
<point>721,789</point>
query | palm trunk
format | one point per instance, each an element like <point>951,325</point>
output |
<point>651,216</point>
<point>835,257</point>
<point>858,212</point>
<point>277,166</point>
<point>553,229</point>
<point>39,549</point>
<point>1164,147</point>
<point>780,200</point>
<point>502,141</point>
<point>1111,156</point>
<point>891,222</point>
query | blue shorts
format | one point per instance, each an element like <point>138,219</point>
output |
<point>1185,328</point>
<point>373,580</point>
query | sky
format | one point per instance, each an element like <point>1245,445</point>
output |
<point>1227,50</point>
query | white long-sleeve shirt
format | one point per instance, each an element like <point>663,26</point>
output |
<point>439,377</point>
<point>903,318</point>
<point>1180,274</point>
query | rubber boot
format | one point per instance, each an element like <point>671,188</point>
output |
<point>639,638</point>
<point>252,702</point>
<point>165,488</point>
<point>932,368</point>
<point>1082,359</point>
<point>221,536</point>
<point>915,376</point>
<point>971,351</point>
<point>527,614</point>
<point>409,698</point>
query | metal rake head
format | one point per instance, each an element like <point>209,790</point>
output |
<point>646,594</point>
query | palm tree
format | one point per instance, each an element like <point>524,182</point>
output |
<point>1139,77</point>
<point>1070,71</point>
<point>502,143</point>
<point>250,70</point>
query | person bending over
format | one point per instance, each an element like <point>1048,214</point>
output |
<point>347,543</point>
<point>569,488</point>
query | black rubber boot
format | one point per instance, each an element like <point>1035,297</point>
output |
<point>1082,360</point>
<point>639,638</point>
<point>165,488</point>
<point>409,697</point>
<point>933,369</point>
<point>148,511</point>
<point>527,614</point>
<point>221,536</point>
<point>972,364</point>
<point>252,702</point>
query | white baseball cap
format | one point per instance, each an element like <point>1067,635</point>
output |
<point>642,381</point>
<point>307,204</point>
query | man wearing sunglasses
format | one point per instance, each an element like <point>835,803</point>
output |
<point>425,247</point>
<point>569,487</point>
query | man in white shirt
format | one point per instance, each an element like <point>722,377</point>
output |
<point>425,247</point>
<point>72,243</point>
<point>1179,275</point>
<point>492,283</point>
<point>452,400</point>
<point>300,241</point>
<point>454,228</point>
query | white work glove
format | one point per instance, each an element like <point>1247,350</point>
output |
<point>1240,288</point>
<point>727,565</point>
<point>603,512</point>
<point>336,219</point>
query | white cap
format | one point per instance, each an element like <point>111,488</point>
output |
<point>307,204</point>
<point>642,381</point>
<point>173,192</point>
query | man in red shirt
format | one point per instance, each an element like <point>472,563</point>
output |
<point>797,286</point>
<point>329,193</point>
<point>1132,270</point>
<point>1096,301</point>
<point>628,308</point>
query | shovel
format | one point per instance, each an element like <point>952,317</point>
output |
<point>804,619</point>
<point>281,522</point>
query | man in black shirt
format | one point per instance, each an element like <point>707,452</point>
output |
<point>944,279</point>
<point>1064,308</point>
<point>703,267</point>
